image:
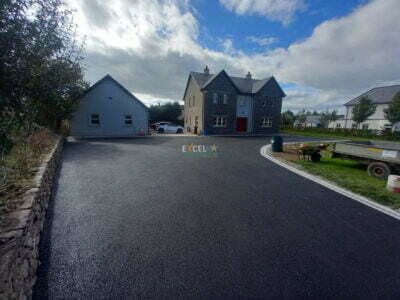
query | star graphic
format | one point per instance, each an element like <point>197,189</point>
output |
<point>213,148</point>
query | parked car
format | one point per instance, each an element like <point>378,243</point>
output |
<point>170,128</point>
<point>158,124</point>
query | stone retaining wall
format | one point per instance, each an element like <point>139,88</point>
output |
<point>20,232</point>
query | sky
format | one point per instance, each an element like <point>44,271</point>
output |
<point>322,52</point>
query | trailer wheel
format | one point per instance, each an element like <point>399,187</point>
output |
<point>378,170</point>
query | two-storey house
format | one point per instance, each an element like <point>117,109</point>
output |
<point>381,97</point>
<point>222,104</point>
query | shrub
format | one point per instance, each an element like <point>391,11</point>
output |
<point>6,144</point>
<point>21,159</point>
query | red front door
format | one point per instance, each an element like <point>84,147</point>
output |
<point>241,124</point>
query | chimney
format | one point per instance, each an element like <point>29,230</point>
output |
<point>248,76</point>
<point>207,71</point>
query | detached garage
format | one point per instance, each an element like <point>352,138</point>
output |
<point>107,109</point>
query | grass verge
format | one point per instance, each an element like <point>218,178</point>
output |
<point>331,135</point>
<point>348,174</point>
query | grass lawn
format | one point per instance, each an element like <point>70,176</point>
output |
<point>332,135</point>
<point>352,176</point>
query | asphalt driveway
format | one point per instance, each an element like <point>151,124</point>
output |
<point>135,218</point>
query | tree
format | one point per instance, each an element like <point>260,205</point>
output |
<point>362,110</point>
<point>301,116</point>
<point>288,118</point>
<point>327,117</point>
<point>40,71</point>
<point>167,112</point>
<point>392,113</point>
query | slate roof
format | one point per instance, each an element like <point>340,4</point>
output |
<point>244,85</point>
<point>313,119</point>
<point>379,95</point>
<point>108,77</point>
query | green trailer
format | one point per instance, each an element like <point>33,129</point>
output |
<point>382,158</point>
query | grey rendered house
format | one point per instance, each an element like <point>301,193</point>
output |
<point>107,109</point>
<point>222,104</point>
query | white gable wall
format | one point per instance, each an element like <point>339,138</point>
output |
<point>112,103</point>
<point>376,121</point>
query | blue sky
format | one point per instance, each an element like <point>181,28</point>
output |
<point>219,23</point>
<point>322,52</point>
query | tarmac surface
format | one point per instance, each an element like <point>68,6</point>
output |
<point>138,218</point>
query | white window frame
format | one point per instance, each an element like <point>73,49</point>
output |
<point>266,122</point>
<point>92,118</point>
<point>365,126</point>
<point>128,117</point>
<point>225,101</point>
<point>338,125</point>
<point>220,121</point>
<point>215,98</point>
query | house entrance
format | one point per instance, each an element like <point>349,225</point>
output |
<point>241,124</point>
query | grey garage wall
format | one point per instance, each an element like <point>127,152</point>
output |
<point>112,103</point>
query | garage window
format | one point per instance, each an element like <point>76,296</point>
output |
<point>95,119</point>
<point>128,120</point>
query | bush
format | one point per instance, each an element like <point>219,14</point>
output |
<point>40,141</point>
<point>21,159</point>
<point>6,144</point>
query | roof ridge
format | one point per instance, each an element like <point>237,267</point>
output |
<point>366,94</point>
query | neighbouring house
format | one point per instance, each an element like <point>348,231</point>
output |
<point>310,121</point>
<point>222,104</point>
<point>107,109</point>
<point>381,96</point>
<point>340,122</point>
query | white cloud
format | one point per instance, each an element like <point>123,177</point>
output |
<point>275,10</point>
<point>351,53</point>
<point>151,46</point>
<point>262,41</point>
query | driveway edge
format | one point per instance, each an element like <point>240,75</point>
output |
<point>265,152</point>
<point>21,229</point>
